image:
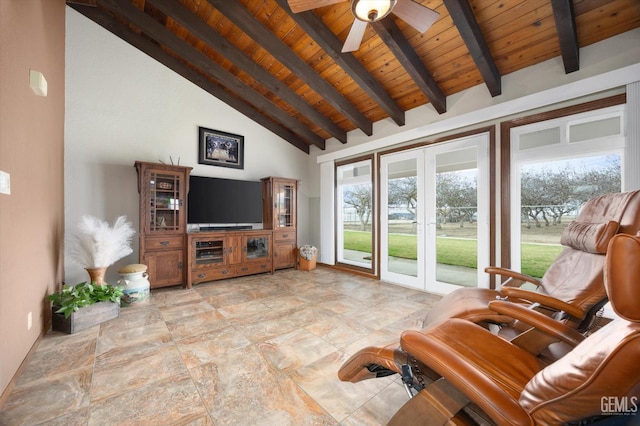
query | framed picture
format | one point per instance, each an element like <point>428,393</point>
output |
<point>222,149</point>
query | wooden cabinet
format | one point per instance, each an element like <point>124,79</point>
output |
<point>218,255</point>
<point>284,249</point>
<point>279,198</point>
<point>163,193</point>
<point>165,267</point>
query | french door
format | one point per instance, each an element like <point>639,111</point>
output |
<point>401,211</point>
<point>434,216</point>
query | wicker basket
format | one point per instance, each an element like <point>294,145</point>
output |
<point>307,265</point>
<point>307,257</point>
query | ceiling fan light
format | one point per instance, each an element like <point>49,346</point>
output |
<point>371,10</point>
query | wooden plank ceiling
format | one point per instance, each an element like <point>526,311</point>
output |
<point>286,71</point>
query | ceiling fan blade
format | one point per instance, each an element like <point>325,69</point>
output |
<point>356,33</point>
<point>304,5</point>
<point>418,16</point>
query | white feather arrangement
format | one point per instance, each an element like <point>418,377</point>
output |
<point>97,245</point>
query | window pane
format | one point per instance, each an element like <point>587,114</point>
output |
<point>402,226</point>
<point>551,195</point>
<point>456,213</point>
<point>355,211</point>
<point>540,138</point>
<point>594,129</point>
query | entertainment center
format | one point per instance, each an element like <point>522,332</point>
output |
<point>223,238</point>
<point>216,255</point>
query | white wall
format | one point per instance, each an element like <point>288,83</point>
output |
<point>123,106</point>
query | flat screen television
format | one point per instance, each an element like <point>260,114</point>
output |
<point>224,201</point>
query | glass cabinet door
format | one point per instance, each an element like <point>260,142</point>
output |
<point>256,247</point>
<point>285,205</point>
<point>165,202</point>
<point>209,252</point>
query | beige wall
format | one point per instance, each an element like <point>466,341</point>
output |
<point>32,34</point>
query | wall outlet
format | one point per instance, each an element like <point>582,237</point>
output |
<point>29,321</point>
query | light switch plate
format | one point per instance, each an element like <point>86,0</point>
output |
<point>5,183</point>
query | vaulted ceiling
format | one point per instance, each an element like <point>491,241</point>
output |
<point>286,71</point>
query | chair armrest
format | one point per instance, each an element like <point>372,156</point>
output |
<point>512,275</point>
<point>487,393</point>
<point>538,320</point>
<point>542,299</point>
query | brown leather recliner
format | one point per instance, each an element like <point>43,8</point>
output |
<point>506,385</point>
<point>571,290</point>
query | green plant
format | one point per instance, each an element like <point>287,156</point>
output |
<point>71,298</point>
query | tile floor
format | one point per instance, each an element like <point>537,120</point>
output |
<point>259,350</point>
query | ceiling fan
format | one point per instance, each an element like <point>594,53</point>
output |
<point>366,11</point>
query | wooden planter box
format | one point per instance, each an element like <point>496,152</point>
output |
<point>85,317</point>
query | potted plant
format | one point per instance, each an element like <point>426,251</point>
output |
<point>95,246</point>
<point>84,305</point>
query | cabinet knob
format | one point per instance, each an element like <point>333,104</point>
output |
<point>285,235</point>
<point>245,269</point>
<point>202,275</point>
<point>225,272</point>
<point>180,265</point>
<point>164,243</point>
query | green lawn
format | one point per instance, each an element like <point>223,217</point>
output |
<point>451,251</point>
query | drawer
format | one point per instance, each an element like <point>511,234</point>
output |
<point>211,274</point>
<point>162,243</point>
<point>284,236</point>
<point>253,268</point>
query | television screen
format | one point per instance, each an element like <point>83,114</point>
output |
<point>224,201</point>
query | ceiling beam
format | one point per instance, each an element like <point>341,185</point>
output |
<point>315,28</point>
<point>147,46</point>
<point>165,37</point>
<point>465,20</point>
<point>211,37</point>
<point>388,31</point>
<point>565,19</point>
<point>244,20</point>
